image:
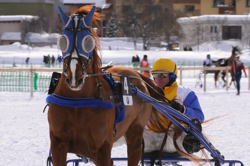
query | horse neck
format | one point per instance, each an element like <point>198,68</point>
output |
<point>232,56</point>
<point>231,59</point>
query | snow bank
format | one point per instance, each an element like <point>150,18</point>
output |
<point>123,50</point>
<point>11,36</point>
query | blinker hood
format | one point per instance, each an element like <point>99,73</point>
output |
<point>85,43</point>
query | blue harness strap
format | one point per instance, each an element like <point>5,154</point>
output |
<point>119,109</point>
<point>78,102</point>
<point>92,102</point>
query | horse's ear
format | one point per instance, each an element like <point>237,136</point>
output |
<point>64,17</point>
<point>89,16</point>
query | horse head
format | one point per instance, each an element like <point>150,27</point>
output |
<point>236,50</point>
<point>78,46</point>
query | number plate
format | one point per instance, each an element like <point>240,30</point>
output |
<point>126,90</point>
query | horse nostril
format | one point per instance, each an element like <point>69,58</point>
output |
<point>80,81</point>
<point>68,81</point>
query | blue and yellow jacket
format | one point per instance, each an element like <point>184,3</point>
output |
<point>187,98</point>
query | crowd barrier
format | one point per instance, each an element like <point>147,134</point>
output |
<point>38,79</point>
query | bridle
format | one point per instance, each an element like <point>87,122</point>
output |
<point>75,30</point>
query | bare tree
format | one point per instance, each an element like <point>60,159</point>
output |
<point>144,24</point>
<point>214,29</point>
<point>129,22</point>
<point>169,22</point>
<point>193,30</point>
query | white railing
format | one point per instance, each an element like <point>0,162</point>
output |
<point>181,69</point>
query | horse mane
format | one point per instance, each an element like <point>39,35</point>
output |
<point>234,49</point>
<point>97,62</point>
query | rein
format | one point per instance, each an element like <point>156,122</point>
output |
<point>101,74</point>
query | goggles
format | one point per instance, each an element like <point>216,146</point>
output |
<point>88,43</point>
<point>162,75</point>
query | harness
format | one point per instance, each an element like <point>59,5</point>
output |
<point>119,106</point>
<point>78,102</point>
<point>81,61</point>
<point>97,102</point>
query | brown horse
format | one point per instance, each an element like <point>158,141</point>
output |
<point>89,131</point>
<point>226,62</point>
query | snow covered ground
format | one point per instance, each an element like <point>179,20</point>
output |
<point>24,138</point>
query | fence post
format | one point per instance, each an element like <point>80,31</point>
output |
<point>226,78</point>
<point>205,77</point>
<point>248,77</point>
<point>31,82</point>
<point>180,75</point>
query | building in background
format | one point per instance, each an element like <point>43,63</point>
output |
<point>31,7</point>
<point>19,17</point>
<point>103,6</point>
<point>214,7</point>
<point>219,20</point>
<point>149,21</point>
<point>12,28</point>
<point>26,7</point>
<point>214,28</point>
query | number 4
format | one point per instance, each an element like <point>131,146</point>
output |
<point>126,85</point>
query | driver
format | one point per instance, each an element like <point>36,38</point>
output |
<point>164,72</point>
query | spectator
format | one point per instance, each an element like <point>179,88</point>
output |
<point>235,71</point>
<point>59,59</point>
<point>27,61</point>
<point>49,59</point>
<point>145,64</point>
<point>137,58</point>
<point>53,59</point>
<point>136,61</point>
<point>188,48</point>
<point>45,59</point>
<point>133,59</point>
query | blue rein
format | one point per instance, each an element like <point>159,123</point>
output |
<point>78,102</point>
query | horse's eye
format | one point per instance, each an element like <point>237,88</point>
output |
<point>88,43</point>
<point>63,43</point>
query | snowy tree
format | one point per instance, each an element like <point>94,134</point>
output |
<point>112,26</point>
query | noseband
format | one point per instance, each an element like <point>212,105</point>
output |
<point>81,61</point>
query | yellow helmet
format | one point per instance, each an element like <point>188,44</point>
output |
<point>164,65</point>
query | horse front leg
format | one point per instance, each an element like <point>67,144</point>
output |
<point>134,144</point>
<point>223,78</point>
<point>104,155</point>
<point>59,151</point>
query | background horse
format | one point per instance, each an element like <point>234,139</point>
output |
<point>226,62</point>
<point>91,131</point>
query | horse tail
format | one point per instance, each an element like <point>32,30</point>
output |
<point>162,125</point>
